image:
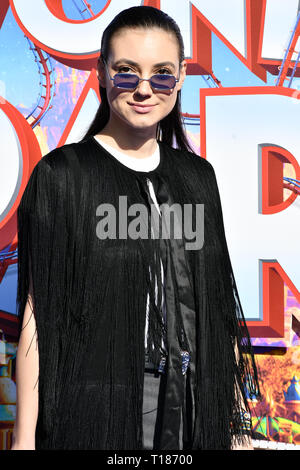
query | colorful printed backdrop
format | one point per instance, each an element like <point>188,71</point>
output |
<point>240,104</point>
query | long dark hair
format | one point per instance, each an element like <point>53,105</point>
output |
<point>144,17</point>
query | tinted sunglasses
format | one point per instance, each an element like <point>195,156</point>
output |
<point>129,81</point>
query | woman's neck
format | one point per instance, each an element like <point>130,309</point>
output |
<point>136,144</point>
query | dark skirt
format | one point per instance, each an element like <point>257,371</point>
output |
<point>151,409</point>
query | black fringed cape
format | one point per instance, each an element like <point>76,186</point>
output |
<point>89,297</point>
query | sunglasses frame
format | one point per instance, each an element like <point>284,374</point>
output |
<point>140,80</point>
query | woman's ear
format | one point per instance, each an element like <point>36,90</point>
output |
<point>182,74</point>
<point>101,72</point>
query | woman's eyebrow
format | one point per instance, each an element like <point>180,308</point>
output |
<point>131,62</point>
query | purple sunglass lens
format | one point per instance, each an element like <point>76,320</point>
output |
<point>162,82</point>
<point>126,80</point>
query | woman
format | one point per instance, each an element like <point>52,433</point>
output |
<point>142,342</point>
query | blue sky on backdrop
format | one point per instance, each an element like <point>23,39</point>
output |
<point>18,69</point>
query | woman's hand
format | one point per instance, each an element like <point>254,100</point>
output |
<point>242,446</point>
<point>23,447</point>
<point>22,444</point>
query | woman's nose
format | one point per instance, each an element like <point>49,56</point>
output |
<point>144,88</point>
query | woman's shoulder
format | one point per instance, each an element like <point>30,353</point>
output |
<point>58,171</point>
<point>63,162</point>
<point>188,157</point>
<point>59,158</point>
<point>54,178</point>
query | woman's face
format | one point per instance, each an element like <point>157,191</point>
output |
<point>139,51</point>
